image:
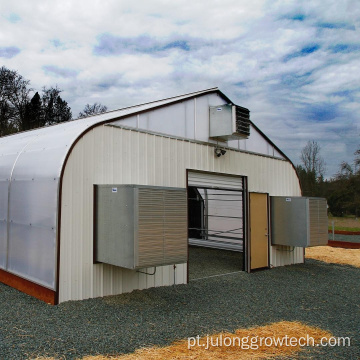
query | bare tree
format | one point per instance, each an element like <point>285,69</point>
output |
<point>14,97</point>
<point>357,160</point>
<point>94,109</point>
<point>19,113</point>
<point>312,160</point>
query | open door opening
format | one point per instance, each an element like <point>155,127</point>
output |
<point>216,225</point>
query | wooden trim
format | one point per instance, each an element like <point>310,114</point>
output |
<point>28,287</point>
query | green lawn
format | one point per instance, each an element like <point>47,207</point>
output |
<point>346,223</point>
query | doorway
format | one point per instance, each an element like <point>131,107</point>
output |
<point>259,231</point>
<point>216,221</point>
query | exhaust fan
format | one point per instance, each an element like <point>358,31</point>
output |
<point>229,122</point>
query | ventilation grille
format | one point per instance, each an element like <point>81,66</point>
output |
<point>299,221</point>
<point>229,122</point>
<point>318,222</point>
<point>162,230</point>
<point>140,226</point>
<point>242,121</point>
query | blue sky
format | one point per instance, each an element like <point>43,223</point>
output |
<point>294,64</point>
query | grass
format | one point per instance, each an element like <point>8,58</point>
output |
<point>347,223</point>
<point>334,255</point>
<point>236,346</point>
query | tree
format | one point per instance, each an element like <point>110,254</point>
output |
<point>19,113</point>
<point>308,181</point>
<point>312,160</point>
<point>311,172</point>
<point>14,97</point>
<point>55,109</point>
<point>344,197</point>
<point>343,190</point>
<point>33,114</point>
<point>94,109</point>
<point>5,106</point>
<point>6,127</point>
<point>357,161</point>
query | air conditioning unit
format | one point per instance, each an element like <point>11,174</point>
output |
<point>140,226</point>
<point>229,122</point>
<point>298,221</point>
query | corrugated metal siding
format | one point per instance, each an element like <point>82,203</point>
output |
<point>108,155</point>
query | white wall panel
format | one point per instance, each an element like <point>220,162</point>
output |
<point>107,155</point>
<point>256,143</point>
<point>190,119</point>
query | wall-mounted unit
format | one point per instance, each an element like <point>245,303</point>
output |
<point>298,221</point>
<point>140,226</point>
<point>229,122</point>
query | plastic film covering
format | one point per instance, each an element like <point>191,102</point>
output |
<point>3,243</point>
<point>30,169</point>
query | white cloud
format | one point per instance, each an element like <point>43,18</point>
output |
<point>294,64</point>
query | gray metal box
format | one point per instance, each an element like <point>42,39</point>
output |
<point>299,221</point>
<point>229,122</point>
<point>140,226</point>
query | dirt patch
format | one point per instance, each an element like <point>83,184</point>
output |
<point>237,349</point>
<point>334,255</point>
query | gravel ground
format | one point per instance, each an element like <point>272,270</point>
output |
<point>316,293</point>
<point>222,262</point>
<point>348,238</point>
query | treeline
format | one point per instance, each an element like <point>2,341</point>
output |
<point>21,109</point>
<point>342,191</point>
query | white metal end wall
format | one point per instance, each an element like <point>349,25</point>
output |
<point>109,155</point>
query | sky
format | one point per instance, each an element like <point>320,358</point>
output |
<point>294,64</point>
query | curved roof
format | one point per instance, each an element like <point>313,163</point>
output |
<point>30,173</point>
<point>57,140</point>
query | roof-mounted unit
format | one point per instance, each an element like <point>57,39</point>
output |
<point>229,122</point>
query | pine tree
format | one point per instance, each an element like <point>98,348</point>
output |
<point>62,111</point>
<point>34,114</point>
